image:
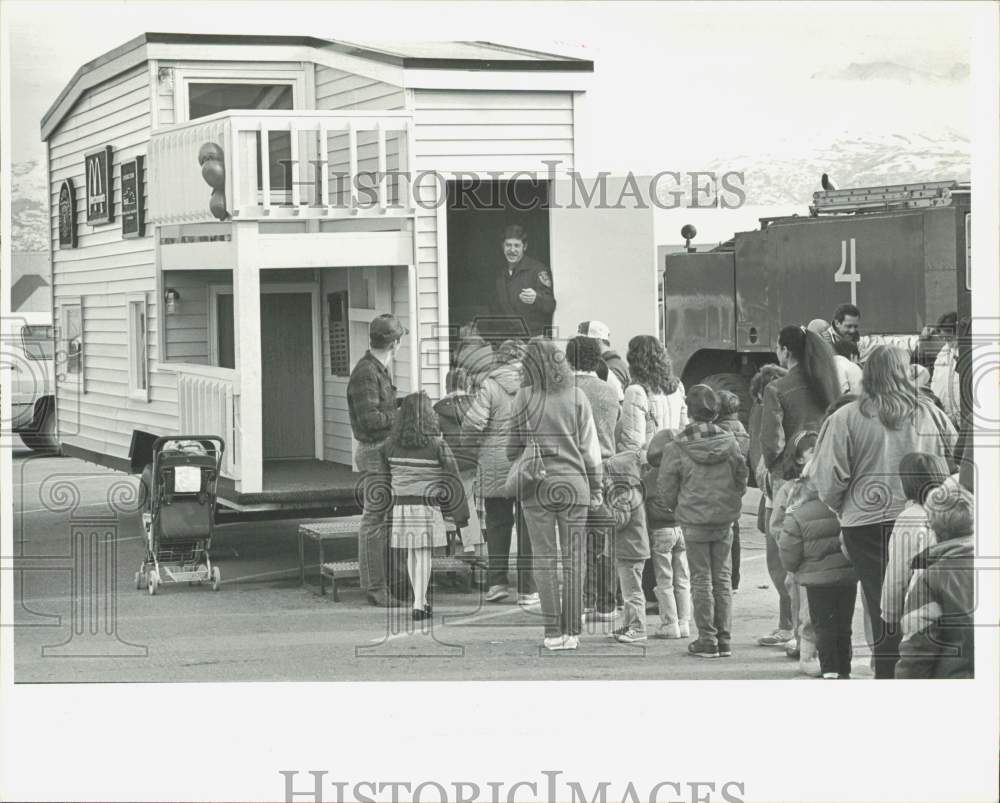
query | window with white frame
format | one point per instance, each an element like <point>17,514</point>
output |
<point>138,366</point>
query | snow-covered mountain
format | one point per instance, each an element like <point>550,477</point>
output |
<point>891,71</point>
<point>29,207</point>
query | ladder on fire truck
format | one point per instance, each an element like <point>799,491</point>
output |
<point>879,199</point>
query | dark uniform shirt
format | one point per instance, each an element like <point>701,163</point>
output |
<point>518,316</point>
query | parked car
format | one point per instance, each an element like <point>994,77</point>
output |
<point>29,351</point>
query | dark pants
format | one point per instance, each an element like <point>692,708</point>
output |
<point>831,609</point>
<point>600,580</point>
<point>736,555</point>
<point>501,514</point>
<point>777,573</point>
<point>868,547</point>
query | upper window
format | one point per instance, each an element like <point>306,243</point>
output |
<point>205,99</point>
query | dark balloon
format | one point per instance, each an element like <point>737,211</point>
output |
<point>215,174</point>
<point>217,205</point>
<point>210,152</point>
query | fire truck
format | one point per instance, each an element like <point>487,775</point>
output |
<point>899,253</point>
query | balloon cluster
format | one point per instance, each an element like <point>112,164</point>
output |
<point>213,170</point>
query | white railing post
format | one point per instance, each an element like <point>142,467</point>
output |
<point>234,173</point>
<point>352,146</point>
<point>265,169</point>
<point>324,166</point>
<point>294,167</point>
<point>381,179</point>
<point>246,301</point>
<point>411,162</point>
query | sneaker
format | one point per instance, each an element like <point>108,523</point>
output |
<point>831,676</point>
<point>529,600</point>
<point>810,668</point>
<point>497,593</point>
<point>571,642</point>
<point>792,651</point>
<point>725,649</point>
<point>703,649</point>
<point>685,629</point>
<point>776,638</point>
<point>667,631</point>
<point>618,631</point>
<point>554,642</point>
<point>631,636</point>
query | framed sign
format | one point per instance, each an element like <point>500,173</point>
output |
<point>133,206</point>
<point>67,214</point>
<point>97,167</point>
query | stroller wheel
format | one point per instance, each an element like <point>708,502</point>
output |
<point>216,578</point>
<point>138,581</point>
<point>152,581</point>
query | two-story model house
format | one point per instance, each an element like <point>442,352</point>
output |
<point>230,212</point>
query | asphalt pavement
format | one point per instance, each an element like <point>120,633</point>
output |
<point>79,618</point>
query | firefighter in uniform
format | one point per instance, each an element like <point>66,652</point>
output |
<point>523,298</point>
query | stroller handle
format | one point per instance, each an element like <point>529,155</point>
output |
<point>159,443</point>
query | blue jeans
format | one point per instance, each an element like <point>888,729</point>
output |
<point>630,578</point>
<point>711,585</point>
<point>561,613</point>
<point>373,537</point>
<point>673,581</point>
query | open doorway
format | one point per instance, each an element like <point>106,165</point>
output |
<point>476,222</point>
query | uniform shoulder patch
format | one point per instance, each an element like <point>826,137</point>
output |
<point>544,278</point>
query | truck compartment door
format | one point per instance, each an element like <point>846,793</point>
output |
<point>698,292</point>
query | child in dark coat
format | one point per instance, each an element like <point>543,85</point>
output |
<point>809,543</point>
<point>729,420</point>
<point>702,478</point>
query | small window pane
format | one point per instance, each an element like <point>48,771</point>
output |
<point>37,342</point>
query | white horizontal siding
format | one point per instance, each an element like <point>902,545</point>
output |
<point>336,89</point>
<point>102,271</point>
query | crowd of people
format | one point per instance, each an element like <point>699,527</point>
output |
<point>606,467</point>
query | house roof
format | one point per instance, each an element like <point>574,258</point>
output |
<point>486,56</point>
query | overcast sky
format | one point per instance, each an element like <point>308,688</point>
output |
<point>675,85</point>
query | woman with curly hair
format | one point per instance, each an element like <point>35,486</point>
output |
<point>554,413</point>
<point>654,400</point>
<point>856,472</point>
<point>426,487</point>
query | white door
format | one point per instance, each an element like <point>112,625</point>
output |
<point>603,259</point>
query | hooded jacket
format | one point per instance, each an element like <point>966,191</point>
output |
<point>702,478</point>
<point>938,631</point>
<point>789,408</point>
<point>809,541</point>
<point>487,426</point>
<point>623,496</point>
<point>658,515</point>
<point>732,423</point>
<point>451,410</point>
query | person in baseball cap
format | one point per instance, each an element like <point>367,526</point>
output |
<point>616,369</point>
<point>385,330</point>
<point>371,408</point>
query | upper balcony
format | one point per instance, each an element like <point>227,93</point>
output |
<point>318,164</point>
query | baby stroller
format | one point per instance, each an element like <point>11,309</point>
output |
<point>179,511</point>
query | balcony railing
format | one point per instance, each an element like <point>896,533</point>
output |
<point>209,404</point>
<point>281,164</point>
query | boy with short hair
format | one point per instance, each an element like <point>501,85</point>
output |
<point>702,478</point>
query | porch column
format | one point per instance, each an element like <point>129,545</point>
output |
<point>246,314</point>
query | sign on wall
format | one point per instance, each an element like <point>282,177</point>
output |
<point>133,206</point>
<point>67,214</point>
<point>97,167</point>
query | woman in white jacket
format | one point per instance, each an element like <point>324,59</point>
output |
<point>655,399</point>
